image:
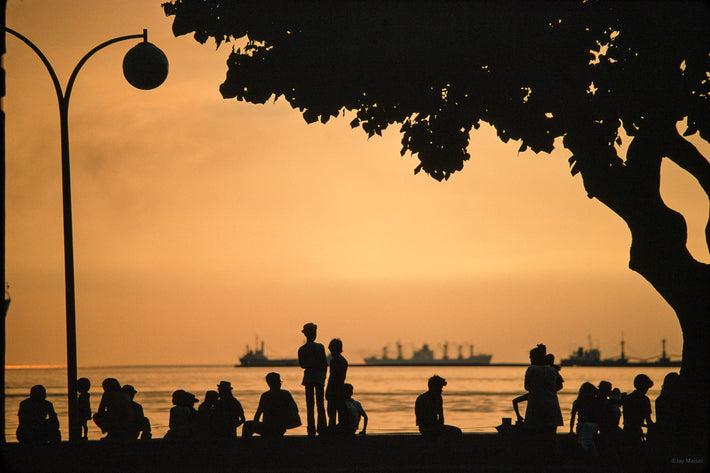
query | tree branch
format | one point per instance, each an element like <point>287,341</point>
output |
<point>684,154</point>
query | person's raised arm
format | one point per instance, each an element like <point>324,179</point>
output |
<point>516,401</point>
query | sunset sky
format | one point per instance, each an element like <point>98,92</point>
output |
<point>201,223</point>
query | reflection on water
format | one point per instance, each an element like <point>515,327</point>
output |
<point>475,399</point>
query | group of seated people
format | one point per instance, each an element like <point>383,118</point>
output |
<point>220,414</point>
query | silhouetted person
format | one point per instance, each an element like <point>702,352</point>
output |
<point>141,424</point>
<point>429,411</point>
<point>667,403</point>
<point>277,408</point>
<point>335,390</point>
<point>206,419</point>
<point>637,412</point>
<point>549,359</point>
<point>586,408</point>
<point>311,357</point>
<point>38,423</point>
<point>609,415</point>
<point>230,413</point>
<point>542,381</point>
<point>115,415</point>
<point>354,411</point>
<point>84,405</point>
<point>182,416</point>
<point>667,431</point>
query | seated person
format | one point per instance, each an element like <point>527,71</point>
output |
<point>278,408</point>
<point>182,416</point>
<point>115,414</point>
<point>141,424</point>
<point>38,423</point>
<point>429,410</point>
<point>355,412</point>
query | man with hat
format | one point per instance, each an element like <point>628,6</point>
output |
<point>141,424</point>
<point>228,412</point>
<point>311,357</point>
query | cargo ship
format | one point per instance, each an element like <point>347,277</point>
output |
<point>256,357</point>
<point>425,357</point>
<point>592,357</point>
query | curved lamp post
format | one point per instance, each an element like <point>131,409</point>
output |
<point>145,67</point>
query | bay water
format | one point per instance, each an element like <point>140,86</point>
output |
<point>475,399</point>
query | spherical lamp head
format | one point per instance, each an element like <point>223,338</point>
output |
<point>145,66</point>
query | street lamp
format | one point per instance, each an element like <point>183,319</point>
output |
<point>145,67</point>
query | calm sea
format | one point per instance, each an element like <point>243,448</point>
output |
<point>475,399</point>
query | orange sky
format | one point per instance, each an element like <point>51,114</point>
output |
<point>201,223</point>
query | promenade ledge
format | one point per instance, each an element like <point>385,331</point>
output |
<point>390,453</point>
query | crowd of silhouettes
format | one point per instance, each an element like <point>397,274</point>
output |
<point>595,415</point>
<point>599,410</point>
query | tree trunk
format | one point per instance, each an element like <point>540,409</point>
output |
<point>658,246</point>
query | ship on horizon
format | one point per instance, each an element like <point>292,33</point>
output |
<point>425,357</point>
<point>256,357</point>
<point>592,357</point>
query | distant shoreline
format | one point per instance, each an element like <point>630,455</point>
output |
<point>404,365</point>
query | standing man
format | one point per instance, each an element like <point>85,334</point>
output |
<point>429,410</point>
<point>229,412</point>
<point>311,357</point>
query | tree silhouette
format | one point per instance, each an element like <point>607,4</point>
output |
<point>536,71</point>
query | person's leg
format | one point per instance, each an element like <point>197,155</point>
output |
<point>310,410</point>
<point>320,403</point>
<point>331,410</point>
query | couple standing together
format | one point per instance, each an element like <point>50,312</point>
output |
<point>312,358</point>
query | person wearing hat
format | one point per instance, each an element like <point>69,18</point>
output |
<point>637,412</point>
<point>311,357</point>
<point>229,412</point>
<point>141,424</point>
<point>429,410</point>
<point>182,416</point>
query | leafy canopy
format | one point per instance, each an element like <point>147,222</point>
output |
<point>534,70</point>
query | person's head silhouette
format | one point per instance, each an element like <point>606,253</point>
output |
<point>537,354</point>
<point>436,384</point>
<point>83,385</point>
<point>335,346</point>
<point>642,383</point>
<point>38,393</point>
<point>273,380</point>
<point>310,330</point>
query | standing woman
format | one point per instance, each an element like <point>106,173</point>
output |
<point>542,381</point>
<point>335,391</point>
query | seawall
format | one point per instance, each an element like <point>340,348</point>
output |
<point>373,453</point>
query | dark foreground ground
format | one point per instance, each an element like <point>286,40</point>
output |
<point>374,453</point>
